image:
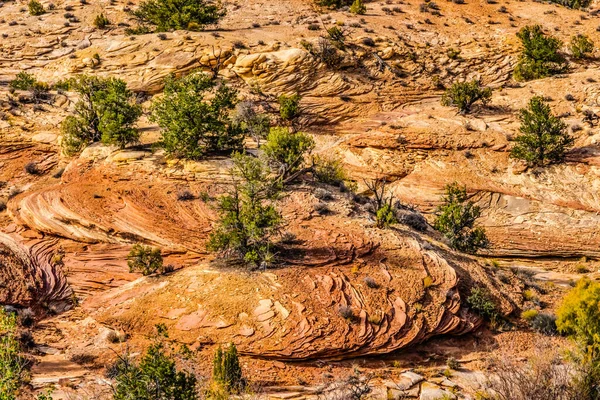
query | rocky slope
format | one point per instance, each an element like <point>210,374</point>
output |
<point>379,111</point>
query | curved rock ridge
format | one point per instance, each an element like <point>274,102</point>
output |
<point>376,304</point>
<point>30,278</point>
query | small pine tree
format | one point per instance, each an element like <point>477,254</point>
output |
<point>286,151</point>
<point>154,378</point>
<point>544,138</point>
<point>101,21</point>
<point>247,216</point>
<point>106,112</point>
<point>145,259</point>
<point>191,126</point>
<point>582,47</point>
<point>358,7</point>
<point>167,15</point>
<point>540,56</point>
<point>456,217</point>
<point>36,8</point>
<point>289,106</point>
<point>227,370</point>
<point>385,216</point>
<point>464,94</point>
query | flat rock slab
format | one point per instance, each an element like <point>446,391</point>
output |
<point>430,391</point>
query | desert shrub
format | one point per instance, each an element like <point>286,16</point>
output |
<point>36,8</point>
<point>576,4</point>
<point>191,126</point>
<point>544,323</point>
<point>346,312</point>
<point>289,106</point>
<point>452,363</point>
<point>227,371</point>
<point>185,195</point>
<point>579,314</point>
<point>358,7</point>
<point>2,205</point>
<point>413,219</point>
<point>154,378</point>
<point>480,301</point>
<point>255,124</point>
<point>12,365</point>
<point>32,168</point>
<point>529,315</point>
<point>382,202</point>
<point>166,15</point>
<point>427,282</point>
<point>322,194</point>
<point>544,138</point>
<point>543,377</point>
<point>456,218</point>
<point>247,216</point>
<point>106,112</point>
<point>370,282</point>
<point>101,21</point>
<point>145,259</point>
<point>329,170</point>
<point>334,3</point>
<point>337,35</point>
<point>286,151</point>
<point>581,46</point>
<point>464,94</point>
<point>385,216</point>
<point>23,81</point>
<point>26,81</point>
<point>326,52</point>
<point>540,55</point>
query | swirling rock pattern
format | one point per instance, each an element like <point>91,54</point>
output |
<point>30,278</point>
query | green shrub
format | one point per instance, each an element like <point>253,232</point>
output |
<point>247,216</point>
<point>11,362</point>
<point>385,216</point>
<point>191,126</point>
<point>333,3</point>
<point>36,8</point>
<point>480,301</point>
<point>358,7</point>
<point>329,170</point>
<point>456,218</point>
<point>106,112</point>
<point>540,56</point>
<point>579,318</point>
<point>575,4</point>
<point>145,259</point>
<point>26,81</point>
<point>289,106</point>
<point>579,313</point>
<point>101,21</point>
<point>23,81</point>
<point>227,371</point>
<point>464,94</point>
<point>286,151</point>
<point>154,378</point>
<point>544,138</point>
<point>167,15</point>
<point>529,315</point>
<point>581,47</point>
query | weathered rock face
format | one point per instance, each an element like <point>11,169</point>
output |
<point>349,291</point>
<point>30,278</point>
